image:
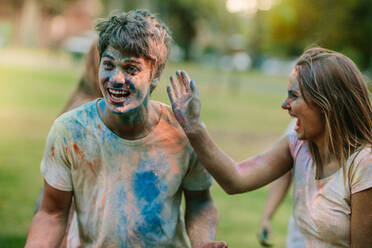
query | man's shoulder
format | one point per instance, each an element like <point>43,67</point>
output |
<point>167,114</point>
<point>80,116</point>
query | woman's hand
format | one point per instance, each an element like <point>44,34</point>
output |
<point>185,100</point>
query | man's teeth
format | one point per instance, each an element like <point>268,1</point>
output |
<point>117,92</point>
<point>118,95</point>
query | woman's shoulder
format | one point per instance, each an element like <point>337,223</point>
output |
<point>295,144</point>
<point>359,169</point>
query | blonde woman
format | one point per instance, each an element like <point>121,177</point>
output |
<point>329,152</point>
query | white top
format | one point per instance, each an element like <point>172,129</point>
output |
<point>321,208</point>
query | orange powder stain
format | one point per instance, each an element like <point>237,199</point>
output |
<point>78,151</point>
<point>52,152</point>
<point>91,168</point>
<point>103,199</point>
<point>170,142</point>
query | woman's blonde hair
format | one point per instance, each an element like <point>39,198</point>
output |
<point>334,84</point>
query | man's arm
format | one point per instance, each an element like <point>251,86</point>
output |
<point>201,219</point>
<point>49,224</point>
<point>277,191</point>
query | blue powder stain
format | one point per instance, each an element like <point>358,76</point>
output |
<point>121,225</point>
<point>146,188</point>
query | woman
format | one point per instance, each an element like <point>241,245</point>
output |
<point>330,150</point>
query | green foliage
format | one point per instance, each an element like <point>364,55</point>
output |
<point>342,25</point>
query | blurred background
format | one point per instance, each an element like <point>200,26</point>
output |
<point>239,52</point>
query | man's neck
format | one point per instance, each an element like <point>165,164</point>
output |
<point>131,126</point>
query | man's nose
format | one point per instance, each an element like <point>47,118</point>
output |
<point>118,78</point>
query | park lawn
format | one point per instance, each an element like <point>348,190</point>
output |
<point>244,117</point>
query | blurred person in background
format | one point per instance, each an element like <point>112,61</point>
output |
<point>87,90</point>
<point>124,157</point>
<point>329,150</point>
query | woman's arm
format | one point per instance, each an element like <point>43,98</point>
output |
<point>277,191</point>
<point>361,219</point>
<point>233,177</point>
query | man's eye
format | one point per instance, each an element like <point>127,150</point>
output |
<point>107,65</point>
<point>132,69</point>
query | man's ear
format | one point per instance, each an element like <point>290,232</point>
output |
<point>154,83</point>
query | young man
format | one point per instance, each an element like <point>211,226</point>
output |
<point>124,158</point>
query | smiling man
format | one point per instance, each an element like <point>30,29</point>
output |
<point>124,158</point>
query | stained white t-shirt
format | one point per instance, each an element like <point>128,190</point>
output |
<point>321,208</point>
<point>127,192</point>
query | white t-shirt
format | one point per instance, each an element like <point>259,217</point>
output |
<point>127,193</point>
<point>321,208</point>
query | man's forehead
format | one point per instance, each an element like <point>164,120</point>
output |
<point>117,54</point>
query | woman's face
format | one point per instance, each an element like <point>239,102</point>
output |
<point>310,124</point>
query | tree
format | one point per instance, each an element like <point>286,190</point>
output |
<point>342,25</point>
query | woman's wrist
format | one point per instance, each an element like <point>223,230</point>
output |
<point>194,129</point>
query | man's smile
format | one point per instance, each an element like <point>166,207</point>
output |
<point>118,95</point>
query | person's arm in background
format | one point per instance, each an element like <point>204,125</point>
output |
<point>88,88</point>
<point>361,208</point>
<point>277,191</point>
<point>233,177</point>
<point>201,219</point>
<point>48,225</point>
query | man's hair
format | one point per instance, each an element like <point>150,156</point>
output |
<point>137,33</point>
<point>333,83</point>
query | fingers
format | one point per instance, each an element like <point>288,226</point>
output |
<point>194,88</point>
<point>175,87</point>
<point>170,94</point>
<point>184,78</point>
<point>184,85</point>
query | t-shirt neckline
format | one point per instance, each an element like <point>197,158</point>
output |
<point>135,142</point>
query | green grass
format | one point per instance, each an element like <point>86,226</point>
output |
<point>243,117</point>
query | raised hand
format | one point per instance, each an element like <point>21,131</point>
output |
<point>185,100</point>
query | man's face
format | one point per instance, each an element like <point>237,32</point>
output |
<point>124,80</point>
